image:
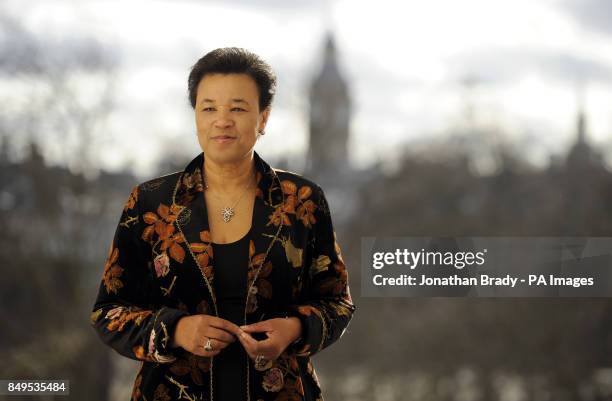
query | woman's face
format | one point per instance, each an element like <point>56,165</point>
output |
<point>227,116</point>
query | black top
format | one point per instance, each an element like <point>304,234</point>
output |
<point>229,366</point>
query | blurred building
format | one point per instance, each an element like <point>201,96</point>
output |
<point>582,155</point>
<point>328,160</point>
<point>330,113</point>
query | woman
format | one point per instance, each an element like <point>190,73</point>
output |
<point>225,278</point>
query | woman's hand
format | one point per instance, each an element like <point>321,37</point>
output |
<point>280,331</point>
<point>191,333</point>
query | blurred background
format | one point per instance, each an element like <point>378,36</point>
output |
<point>442,118</point>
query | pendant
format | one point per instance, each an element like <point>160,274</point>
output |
<point>227,212</point>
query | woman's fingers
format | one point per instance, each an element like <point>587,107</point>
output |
<point>222,332</point>
<point>223,324</point>
<point>257,327</point>
<point>216,345</point>
<point>254,348</point>
<point>249,343</point>
<point>200,328</point>
<point>221,335</point>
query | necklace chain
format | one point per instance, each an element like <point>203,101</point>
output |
<point>227,212</point>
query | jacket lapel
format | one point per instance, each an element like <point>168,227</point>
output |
<point>192,222</point>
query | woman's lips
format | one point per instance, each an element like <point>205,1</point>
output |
<point>223,139</point>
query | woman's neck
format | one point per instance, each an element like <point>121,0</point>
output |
<point>228,178</point>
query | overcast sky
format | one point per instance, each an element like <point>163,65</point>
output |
<point>406,63</point>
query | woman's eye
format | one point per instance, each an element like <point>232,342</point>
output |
<point>213,109</point>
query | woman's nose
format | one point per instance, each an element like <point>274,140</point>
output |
<point>223,119</point>
<point>223,122</point>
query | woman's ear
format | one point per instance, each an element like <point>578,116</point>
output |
<point>264,120</point>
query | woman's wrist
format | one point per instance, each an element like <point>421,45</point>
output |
<point>173,342</point>
<point>298,324</point>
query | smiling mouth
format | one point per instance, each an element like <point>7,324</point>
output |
<point>223,138</point>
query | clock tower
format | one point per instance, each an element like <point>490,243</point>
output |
<point>330,111</point>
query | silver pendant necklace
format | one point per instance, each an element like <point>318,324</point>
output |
<point>228,211</point>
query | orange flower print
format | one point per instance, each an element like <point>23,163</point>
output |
<point>296,202</point>
<point>161,224</point>
<point>190,185</point>
<point>305,212</point>
<point>171,241</point>
<point>112,271</point>
<point>203,251</point>
<point>279,216</point>
<point>194,179</point>
<point>120,316</point>
<point>132,199</point>
<point>264,288</point>
<point>339,284</point>
<point>193,365</point>
<point>251,300</point>
<point>307,310</point>
<point>289,204</point>
<point>254,260</point>
<point>304,192</point>
<point>273,380</point>
<point>289,187</point>
<point>139,353</point>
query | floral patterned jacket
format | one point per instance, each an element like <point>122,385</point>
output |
<point>160,267</point>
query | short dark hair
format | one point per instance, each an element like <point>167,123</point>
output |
<point>234,60</point>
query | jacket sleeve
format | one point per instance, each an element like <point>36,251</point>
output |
<point>127,315</point>
<point>327,307</point>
